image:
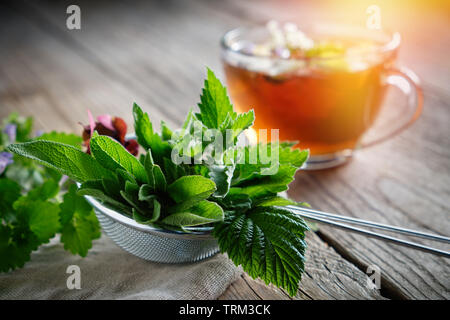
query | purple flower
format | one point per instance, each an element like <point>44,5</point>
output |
<point>11,130</point>
<point>38,133</point>
<point>5,160</point>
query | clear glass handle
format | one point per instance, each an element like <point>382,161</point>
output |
<point>408,83</point>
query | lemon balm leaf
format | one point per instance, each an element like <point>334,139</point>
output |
<point>79,223</point>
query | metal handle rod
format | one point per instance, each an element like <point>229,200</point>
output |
<point>375,235</point>
<point>374,225</point>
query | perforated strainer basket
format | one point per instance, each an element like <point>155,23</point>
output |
<point>153,244</point>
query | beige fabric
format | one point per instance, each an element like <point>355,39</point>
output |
<point>108,272</point>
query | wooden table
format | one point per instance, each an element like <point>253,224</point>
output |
<point>155,53</point>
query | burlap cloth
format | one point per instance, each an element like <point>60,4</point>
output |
<point>108,272</point>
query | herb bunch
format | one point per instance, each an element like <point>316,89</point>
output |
<point>35,203</point>
<point>237,198</point>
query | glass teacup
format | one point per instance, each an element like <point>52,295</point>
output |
<point>326,96</point>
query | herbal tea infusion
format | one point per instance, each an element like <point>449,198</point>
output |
<point>324,92</point>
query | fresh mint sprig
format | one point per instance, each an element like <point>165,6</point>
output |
<point>238,199</point>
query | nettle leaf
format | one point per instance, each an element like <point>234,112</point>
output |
<point>79,223</point>
<point>201,213</point>
<point>268,242</point>
<point>112,155</point>
<point>214,103</point>
<point>63,158</point>
<point>243,121</point>
<point>62,137</point>
<point>268,184</point>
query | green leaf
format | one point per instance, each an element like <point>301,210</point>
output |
<point>112,156</point>
<point>16,245</point>
<point>61,137</point>
<point>79,223</point>
<point>49,189</point>
<point>160,179</point>
<point>275,201</point>
<point>147,138</point>
<point>143,127</point>
<point>9,192</point>
<point>144,219</point>
<point>214,103</point>
<point>166,133</point>
<point>190,188</point>
<point>202,213</point>
<point>94,188</point>
<point>131,195</point>
<point>243,121</point>
<point>42,217</point>
<point>269,184</point>
<point>221,175</point>
<point>146,193</point>
<point>63,158</point>
<point>268,242</point>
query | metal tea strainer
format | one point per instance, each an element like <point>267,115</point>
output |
<point>151,243</point>
<point>168,246</point>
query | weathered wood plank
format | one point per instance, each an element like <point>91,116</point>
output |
<point>155,53</point>
<point>56,79</point>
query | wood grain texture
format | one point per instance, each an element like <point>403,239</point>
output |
<point>155,53</point>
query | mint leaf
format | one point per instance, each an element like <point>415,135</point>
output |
<point>79,223</point>
<point>112,156</point>
<point>147,138</point>
<point>268,242</point>
<point>143,127</point>
<point>202,213</point>
<point>63,158</point>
